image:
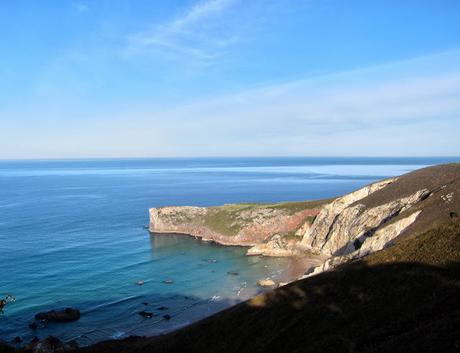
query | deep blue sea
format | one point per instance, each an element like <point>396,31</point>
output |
<point>73,233</point>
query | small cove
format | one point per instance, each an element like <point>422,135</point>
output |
<point>72,233</point>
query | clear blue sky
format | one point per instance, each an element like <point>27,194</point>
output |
<point>81,78</point>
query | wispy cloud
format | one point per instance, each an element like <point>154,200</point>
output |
<point>80,7</point>
<point>396,109</point>
<point>201,33</point>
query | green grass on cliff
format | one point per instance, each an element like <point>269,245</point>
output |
<point>293,206</point>
<point>224,219</point>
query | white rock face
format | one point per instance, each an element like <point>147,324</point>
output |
<point>277,246</point>
<point>267,282</point>
<point>380,240</point>
<point>341,227</point>
<point>169,217</point>
<point>316,235</point>
<point>383,237</point>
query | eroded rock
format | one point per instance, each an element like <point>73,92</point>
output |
<point>317,234</point>
<point>267,282</point>
<point>351,225</point>
<point>277,246</point>
<point>380,240</point>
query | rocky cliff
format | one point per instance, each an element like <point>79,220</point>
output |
<point>274,230</point>
<point>349,227</point>
<point>340,230</point>
<point>370,219</point>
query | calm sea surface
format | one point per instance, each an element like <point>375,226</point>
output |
<point>72,233</point>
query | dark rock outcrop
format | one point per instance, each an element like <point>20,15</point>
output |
<point>146,314</point>
<point>51,344</point>
<point>68,314</point>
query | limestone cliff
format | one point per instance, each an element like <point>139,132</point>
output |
<point>341,232</point>
<point>370,219</point>
<point>243,224</point>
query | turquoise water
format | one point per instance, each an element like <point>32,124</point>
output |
<point>73,233</point>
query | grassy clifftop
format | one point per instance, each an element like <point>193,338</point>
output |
<point>230,219</point>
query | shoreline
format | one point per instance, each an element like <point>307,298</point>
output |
<point>299,263</point>
<point>293,269</point>
<point>200,238</point>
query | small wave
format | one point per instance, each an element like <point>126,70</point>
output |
<point>112,303</point>
<point>118,334</point>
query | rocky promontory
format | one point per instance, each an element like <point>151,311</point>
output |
<point>269,229</point>
<point>343,229</point>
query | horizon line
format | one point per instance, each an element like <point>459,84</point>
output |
<point>58,159</point>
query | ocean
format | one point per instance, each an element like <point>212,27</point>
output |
<point>73,233</point>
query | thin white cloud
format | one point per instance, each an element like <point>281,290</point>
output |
<point>201,11</point>
<point>398,109</point>
<point>80,7</point>
<point>200,33</point>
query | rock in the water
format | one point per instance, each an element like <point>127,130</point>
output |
<point>3,302</point>
<point>232,273</point>
<point>167,317</point>
<point>17,339</point>
<point>168,281</point>
<point>146,314</point>
<point>33,326</point>
<point>140,283</point>
<point>267,282</point>
<point>162,308</point>
<point>68,314</point>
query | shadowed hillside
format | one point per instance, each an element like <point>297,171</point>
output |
<point>402,299</point>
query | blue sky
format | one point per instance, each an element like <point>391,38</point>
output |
<point>229,78</point>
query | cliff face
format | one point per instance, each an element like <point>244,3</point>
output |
<point>351,226</point>
<point>341,232</point>
<point>337,215</point>
<point>371,218</point>
<point>245,224</point>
